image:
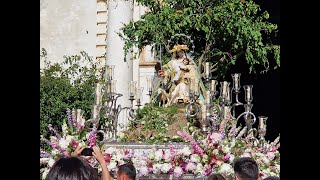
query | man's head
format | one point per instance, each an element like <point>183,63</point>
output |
<point>246,168</point>
<point>126,172</point>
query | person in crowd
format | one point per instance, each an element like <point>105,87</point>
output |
<point>72,168</point>
<point>216,177</point>
<point>246,168</point>
<point>75,168</point>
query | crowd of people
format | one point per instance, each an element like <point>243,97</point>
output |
<point>76,168</point>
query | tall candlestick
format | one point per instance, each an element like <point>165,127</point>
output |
<point>149,82</point>
<point>213,85</point>
<point>207,69</point>
<point>262,120</point>
<point>248,93</point>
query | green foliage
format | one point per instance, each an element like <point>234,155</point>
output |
<point>66,85</point>
<point>222,31</point>
<point>152,122</point>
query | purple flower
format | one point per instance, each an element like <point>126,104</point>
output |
<point>54,131</point>
<point>92,137</point>
<point>44,154</point>
<point>226,157</point>
<point>69,117</point>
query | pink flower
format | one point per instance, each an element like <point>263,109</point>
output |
<point>177,172</point>
<point>191,167</point>
<point>270,155</point>
<point>107,158</point>
<point>246,154</point>
<point>226,157</point>
<point>216,137</point>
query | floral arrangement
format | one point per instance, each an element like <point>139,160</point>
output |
<point>73,135</point>
<point>203,155</point>
<point>212,153</point>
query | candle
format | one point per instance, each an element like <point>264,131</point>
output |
<point>213,85</point>
<point>204,113</point>
<point>236,81</point>
<point>207,69</point>
<point>109,72</point>
<point>139,93</point>
<point>78,115</point>
<point>248,94</point>
<point>98,94</point>
<point>196,92</point>
<point>208,97</point>
<point>131,88</point>
<point>261,123</point>
<point>149,83</point>
<point>113,86</point>
<point>224,88</point>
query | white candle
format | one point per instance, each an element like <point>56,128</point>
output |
<point>207,69</point>
<point>261,123</point>
<point>138,93</point>
<point>204,113</point>
<point>109,72</point>
<point>248,93</point>
<point>113,86</point>
<point>149,83</point>
<point>98,93</point>
<point>208,97</point>
<point>196,88</point>
<point>78,116</point>
<point>236,81</point>
<point>213,85</point>
<point>131,88</point>
<point>224,88</point>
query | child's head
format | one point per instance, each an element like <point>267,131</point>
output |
<point>186,61</point>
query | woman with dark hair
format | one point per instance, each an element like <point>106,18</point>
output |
<point>72,168</point>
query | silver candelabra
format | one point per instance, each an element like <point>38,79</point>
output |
<point>215,113</point>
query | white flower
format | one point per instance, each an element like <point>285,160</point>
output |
<point>69,139</point>
<point>121,135</point>
<point>265,160</point>
<point>191,167</point>
<point>156,168</point>
<point>199,168</point>
<point>54,152</point>
<point>231,158</point>
<point>167,157</point>
<point>64,129</point>
<point>112,165</point>
<point>226,149</point>
<point>277,167</point>
<point>166,167</point>
<point>195,158</point>
<point>44,174</point>
<point>151,155</point>
<point>177,172</point>
<point>63,143</point>
<point>51,162</point>
<point>158,155</point>
<point>205,158</point>
<point>226,169</point>
<point>143,171</point>
<point>110,150</point>
<point>185,151</point>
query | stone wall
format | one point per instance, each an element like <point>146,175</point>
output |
<point>67,27</point>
